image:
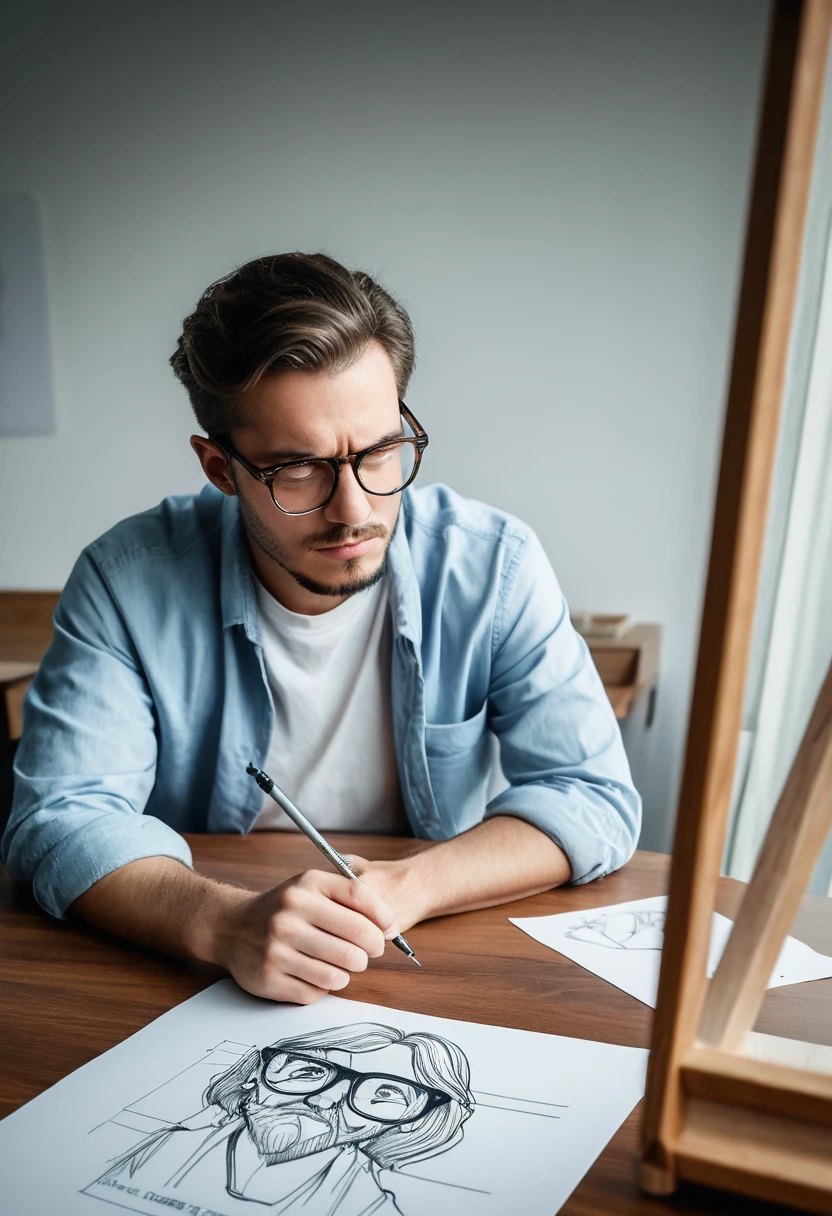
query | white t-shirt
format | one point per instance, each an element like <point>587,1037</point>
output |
<point>332,750</point>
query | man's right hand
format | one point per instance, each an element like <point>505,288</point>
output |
<point>296,942</point>
<point>304,938</point>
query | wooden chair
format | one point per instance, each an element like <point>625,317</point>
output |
<point>713,1114</point>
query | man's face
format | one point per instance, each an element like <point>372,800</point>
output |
<point>341,548</point>
<point>286,1126</point>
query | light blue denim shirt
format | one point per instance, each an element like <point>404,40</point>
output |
<point>153,698</point>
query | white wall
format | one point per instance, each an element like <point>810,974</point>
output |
<point>555,190</point>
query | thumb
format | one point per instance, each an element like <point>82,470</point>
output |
<point>361,866</point>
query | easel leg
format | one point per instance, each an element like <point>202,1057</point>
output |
<point>657,1171</point>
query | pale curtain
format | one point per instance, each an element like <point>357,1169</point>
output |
<point>792,645</point>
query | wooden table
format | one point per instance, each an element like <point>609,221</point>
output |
<point>68,993</point>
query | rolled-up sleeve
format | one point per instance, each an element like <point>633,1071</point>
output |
<point>560,746</point>
<point>86,762</point>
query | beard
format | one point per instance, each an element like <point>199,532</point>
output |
<point>351,581</point>
<point>286,1133</point>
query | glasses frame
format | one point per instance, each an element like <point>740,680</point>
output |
<point>435,1096</point>
<point>419,442</point>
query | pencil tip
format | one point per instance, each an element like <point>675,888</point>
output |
<point>416,961</point>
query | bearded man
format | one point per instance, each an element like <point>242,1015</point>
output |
<point>307,1124</point>
<point>312,614</point>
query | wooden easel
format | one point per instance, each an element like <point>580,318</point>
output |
<point>713,1115</point>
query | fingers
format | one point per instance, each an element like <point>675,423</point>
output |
<point>280,971</point>
<point>296,992</point>
<point>344,955</point>
<point>355,895</point>
<point>283,958</point>
<point>351,928</point>
<point>309,917</point>
<point>306,937</point>
<point>306,901</point>
<point>281,987</point>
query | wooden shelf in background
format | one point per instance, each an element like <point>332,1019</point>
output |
<point>628,666</point>
<point>25,634</point>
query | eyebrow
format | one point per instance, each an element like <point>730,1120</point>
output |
<point>290,454</point>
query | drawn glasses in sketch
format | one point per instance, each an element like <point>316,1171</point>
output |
<point>382,1097</point>
<point>299,487</point>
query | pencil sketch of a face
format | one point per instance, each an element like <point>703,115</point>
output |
<point>628,930</point>
<point>307,1122</point>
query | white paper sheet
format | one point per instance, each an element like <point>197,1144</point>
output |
<point>133,1129</point>
<point>622,944</point>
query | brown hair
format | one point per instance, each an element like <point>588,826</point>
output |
<point>296,310</point>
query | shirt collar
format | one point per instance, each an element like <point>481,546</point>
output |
<point>238,603</point>
<point>405,600</point>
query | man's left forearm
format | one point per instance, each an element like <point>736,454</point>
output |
<point>501,859</point>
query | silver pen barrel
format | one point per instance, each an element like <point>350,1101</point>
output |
<point>268,786</point>
<point>300,821</point>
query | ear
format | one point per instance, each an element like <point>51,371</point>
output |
<point>215,464</point>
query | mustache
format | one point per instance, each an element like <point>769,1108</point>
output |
<point>344,536</point>
<point>277,1134</point>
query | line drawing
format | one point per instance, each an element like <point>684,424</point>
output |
<point>224,1046</point>
<point>527,1101</point>
<point>537,1114</point>
<point>457,1186</point>
<point>302,1124</point>
<point>627,929</point>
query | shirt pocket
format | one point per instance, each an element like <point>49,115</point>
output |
<point>459,756</point>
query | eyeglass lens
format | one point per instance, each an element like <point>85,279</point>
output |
<point>381,1098</point>
<point>303,487</point>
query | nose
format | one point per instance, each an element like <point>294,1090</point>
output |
<point>349,504</point>
<point>331,1096</point>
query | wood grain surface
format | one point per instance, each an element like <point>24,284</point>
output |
<point>68,992</point>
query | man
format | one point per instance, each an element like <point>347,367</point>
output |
<point>308,1122</point>
<point>310,614</point>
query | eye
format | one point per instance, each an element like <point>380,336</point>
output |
<point>382,456</point>
<point>306,1072</point>
<point>300,472</point>
<point>391,1093</point>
